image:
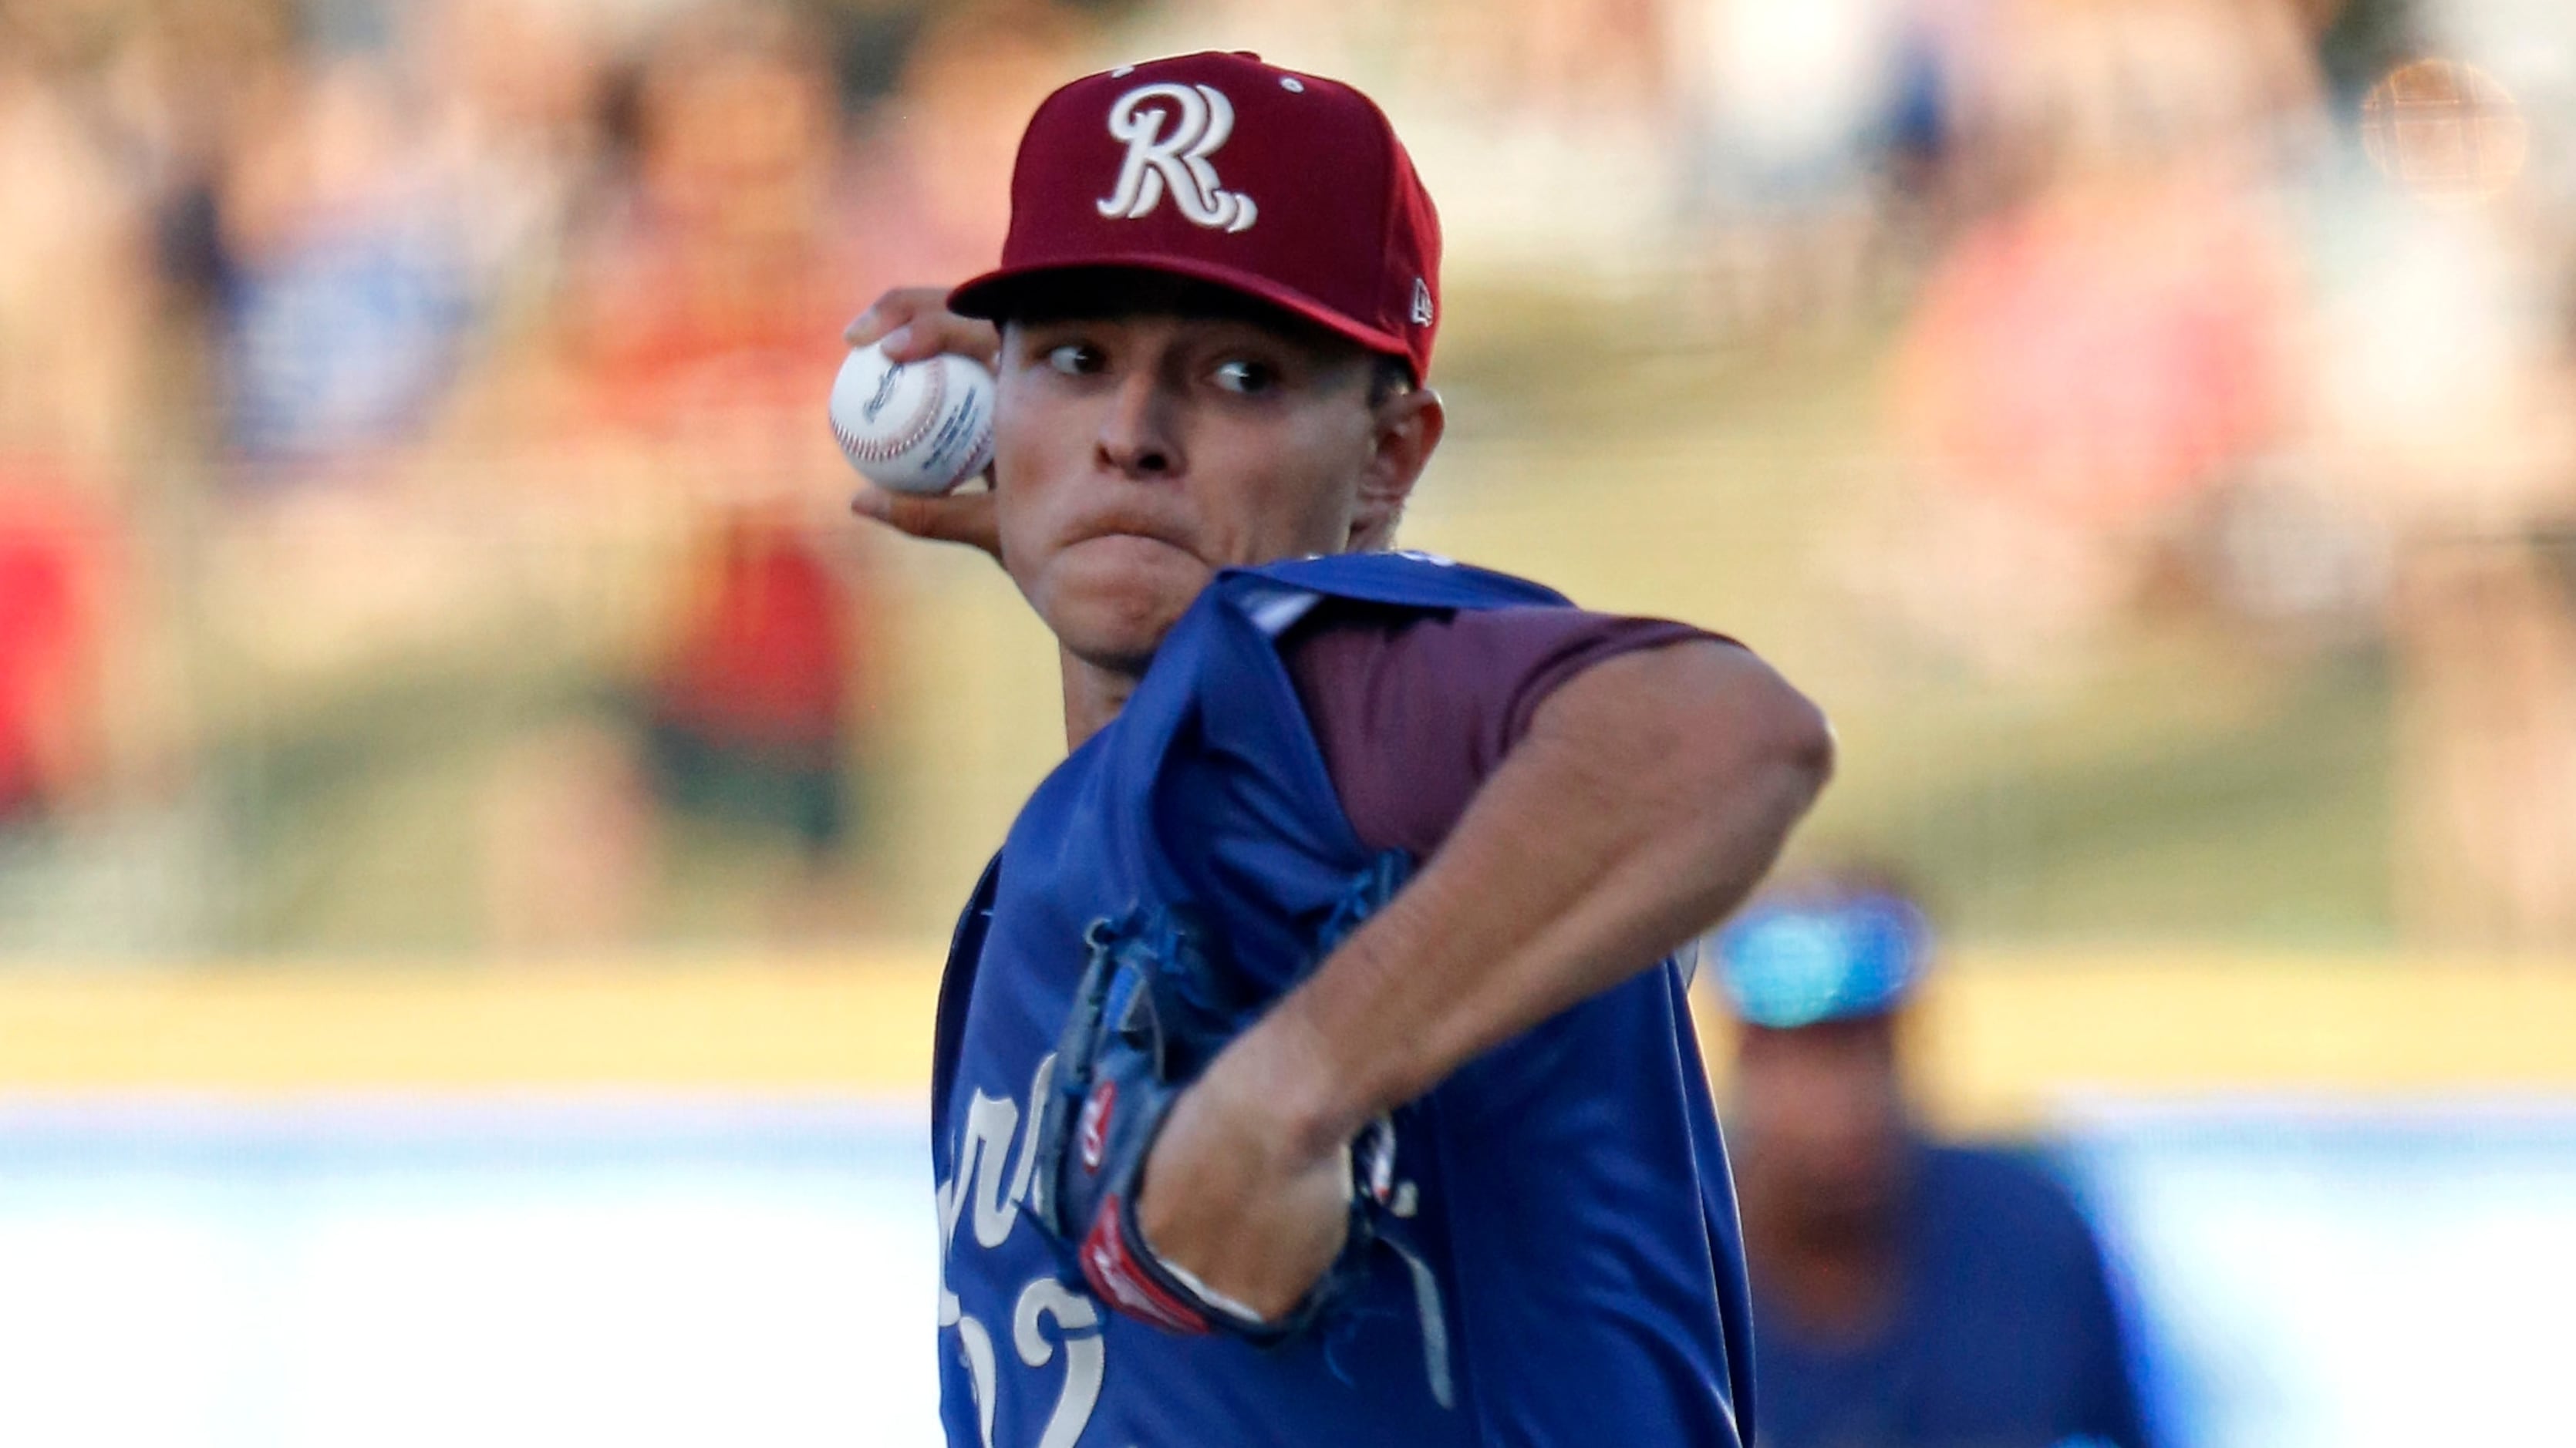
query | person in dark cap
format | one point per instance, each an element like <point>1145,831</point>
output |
<point>1906,1293</point>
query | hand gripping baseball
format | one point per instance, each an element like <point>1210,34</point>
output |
<point>913,323</point>
<point>1157,1003</point>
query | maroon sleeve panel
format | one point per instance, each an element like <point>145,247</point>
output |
<point>1414,710</point>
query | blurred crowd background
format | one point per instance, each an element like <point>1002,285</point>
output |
<point>2138,419</point>
<point>2143,424</point>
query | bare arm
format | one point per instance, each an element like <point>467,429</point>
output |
<point>1649,796</point>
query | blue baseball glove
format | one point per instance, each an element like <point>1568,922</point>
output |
<point>1156,1004</point>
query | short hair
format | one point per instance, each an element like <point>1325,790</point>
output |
<point>1390,376</point>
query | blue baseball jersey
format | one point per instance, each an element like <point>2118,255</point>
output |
<point>2006,1331</point>
<point>1568,1268</point>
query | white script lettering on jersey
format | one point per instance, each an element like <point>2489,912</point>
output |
<point>1171,130</point>
<point>987,1189</point>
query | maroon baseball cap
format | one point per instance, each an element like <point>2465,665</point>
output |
<point>1287,187</point>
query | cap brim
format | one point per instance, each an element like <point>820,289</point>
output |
<point>991,295</point>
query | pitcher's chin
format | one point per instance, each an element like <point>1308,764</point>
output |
<point>1110,601</point>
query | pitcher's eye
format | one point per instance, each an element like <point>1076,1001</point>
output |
<point>1074,359</point>
<point>1247,377</point>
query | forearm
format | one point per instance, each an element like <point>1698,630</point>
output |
<point>1648,798</point>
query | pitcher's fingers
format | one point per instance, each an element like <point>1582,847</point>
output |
<point>930,333</point>
<point>965,518</point>
<point>892,309</point>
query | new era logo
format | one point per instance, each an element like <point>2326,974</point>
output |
<point>1421,302</point>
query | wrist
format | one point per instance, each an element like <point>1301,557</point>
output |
<point>1294,1077</point>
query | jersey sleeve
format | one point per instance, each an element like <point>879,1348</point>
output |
<point>1413,710</point>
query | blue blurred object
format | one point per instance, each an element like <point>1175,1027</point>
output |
<point>1798,962</point>
<point>347,339</point>
<point>2002,1328</point>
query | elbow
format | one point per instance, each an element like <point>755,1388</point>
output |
<point>1782,760</point>
<point>1748,797</point>
<point>1777,744</point>
<point>1800,744</point>
<point>1707,730</point>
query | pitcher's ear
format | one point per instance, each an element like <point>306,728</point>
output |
<point>1406,428</point>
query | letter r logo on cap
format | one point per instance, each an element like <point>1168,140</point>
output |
<point>1120,170</point>
<point>1199,119</point>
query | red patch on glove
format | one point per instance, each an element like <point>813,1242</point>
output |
<point>1093,1131</point>
<point>1113,1274</point>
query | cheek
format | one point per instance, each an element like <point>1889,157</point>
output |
<point>1023,432</point>
<point>1295,494</point>
<point>1029,461</point>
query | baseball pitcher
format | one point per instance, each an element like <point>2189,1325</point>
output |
<point>1310,1065</point>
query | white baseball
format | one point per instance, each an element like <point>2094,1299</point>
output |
<point>913,427</point>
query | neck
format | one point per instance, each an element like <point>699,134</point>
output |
<point>1833,1269</point>
<point>1092,697</point>
<point>1836,1286</point>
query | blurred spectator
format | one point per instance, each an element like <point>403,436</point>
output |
<point>1907,1293</point>
<point>2110,337</point>
<point>1787,102</point>
<point>76,300</point>
<point>344,326</point>
<point>75,293</point>
<point>2227,91</point>
<point>1784,112</point>
<point>2101,356</point>
<point>934,167</point>
<point>376,215</point>
<point>2443,382</point>
<point>2108,347</point>
<point>751,711</point>
<point>52,564</point>
<point>705,325</point>
<point>2486,636</point>
<point>708,294</point>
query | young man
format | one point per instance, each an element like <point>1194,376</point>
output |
<point>1909,1291</point>
<point>1215,315</point>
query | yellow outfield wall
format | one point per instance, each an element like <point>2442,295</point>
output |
<point>1998,1038</point>
<point>840,1025</point>
<point>2002,1037</point>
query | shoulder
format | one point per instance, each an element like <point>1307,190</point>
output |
<point>1406,579</point>
<point>1464,663</point>
<point>1996,1178</point>
<point>1412,707</point>
<point>2006,1196</point>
